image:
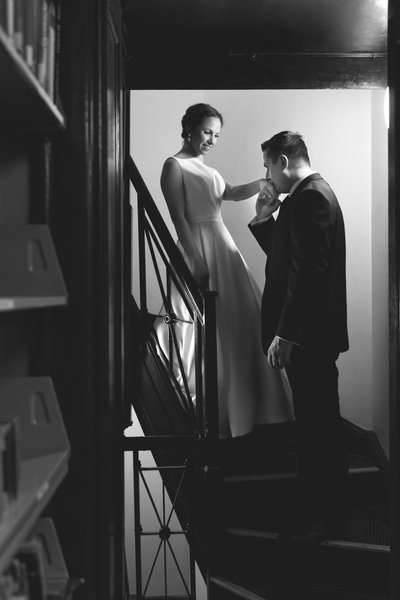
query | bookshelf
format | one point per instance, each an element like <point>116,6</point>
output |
<point>42,458</point>
<point>65,202</point>
<point>22,98</point>
<point>57,579</point>
<point>34,445</point>
<point>39,479</point>
<point>28,101</point>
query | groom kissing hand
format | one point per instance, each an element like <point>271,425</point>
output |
<point>304,320</point>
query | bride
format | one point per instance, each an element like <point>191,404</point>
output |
<point>250,393</point>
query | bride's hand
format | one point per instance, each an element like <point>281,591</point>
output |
<point>267,200</point>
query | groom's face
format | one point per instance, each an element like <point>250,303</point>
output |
<point>276,173</point>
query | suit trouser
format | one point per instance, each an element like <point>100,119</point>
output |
<point>323,458</point>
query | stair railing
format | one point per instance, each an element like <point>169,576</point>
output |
<point>159,260</point>
<point>157,251</point>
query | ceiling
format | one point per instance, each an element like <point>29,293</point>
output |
<point>255,43</point>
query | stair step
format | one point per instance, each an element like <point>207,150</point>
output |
<point>264,497</point>
<point>234,589</point>
<point>354,566</point>
<point>330,543</point>
<point>252,533</point>
<point>279,588</point>
<point>365,528</point>
<point>260,477</point>
<point>362,546</point>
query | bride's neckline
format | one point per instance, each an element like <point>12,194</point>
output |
<point>189,158</point>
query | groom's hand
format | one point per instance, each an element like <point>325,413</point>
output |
<point>279,353</point>
<point>267,200</point>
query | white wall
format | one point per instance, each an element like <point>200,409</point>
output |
<point>380,271</point>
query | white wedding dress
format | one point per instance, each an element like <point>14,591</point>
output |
<point>250,393</point>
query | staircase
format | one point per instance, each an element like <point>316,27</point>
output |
<point>352,565</point>
<point>239,553</point>
<point>237,492</point>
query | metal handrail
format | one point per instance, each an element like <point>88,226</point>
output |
<point>201,305</point>
<point>176,258</point>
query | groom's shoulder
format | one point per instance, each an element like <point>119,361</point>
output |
<point>316,194</point>
<point>316,183</point>
<point>313,181</point>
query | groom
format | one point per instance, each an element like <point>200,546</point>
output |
<point>304,322</point>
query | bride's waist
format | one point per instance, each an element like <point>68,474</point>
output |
<point>204,219</point>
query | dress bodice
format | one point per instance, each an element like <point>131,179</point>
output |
<point>203,188</point>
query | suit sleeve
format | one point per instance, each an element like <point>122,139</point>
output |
<point>263,233</point>
<point>310,227</point>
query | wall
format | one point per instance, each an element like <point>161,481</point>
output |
<point>380,275</point>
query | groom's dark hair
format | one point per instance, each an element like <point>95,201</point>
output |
<point>286,142</point>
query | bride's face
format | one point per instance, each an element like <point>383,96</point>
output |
<point>206,135</point>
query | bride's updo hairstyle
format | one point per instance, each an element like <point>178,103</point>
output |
<point>194,116</point>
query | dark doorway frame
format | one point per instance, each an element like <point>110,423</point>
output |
<point>291,70</point>
<point>394,286</point>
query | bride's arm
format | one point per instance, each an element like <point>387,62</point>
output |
<point>172,188</point>
<point>245,190</point>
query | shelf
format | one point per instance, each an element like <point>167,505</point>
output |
<point>24,104</point>
<point>44,451</point>
<point>58,584</point>
<point>30,276</point>
<point>55,569</point>
<point>39,479</point>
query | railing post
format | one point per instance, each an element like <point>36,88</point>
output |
<point>210,367</point>
<point>192,566</point>
<point>200,415</point>
<point>142,257</point>
<point>138,533</point>
<point>212,471</point>
<point>213,518</point>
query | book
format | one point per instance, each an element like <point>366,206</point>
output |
<point>19,25</point>
<point>38,37</point>
<point>43,45</point>
<point>18,580</point>
<point>9,16</point>
<point>51,48</point>
<point>9,444</point>
<point>3,14</point>
<point>57,52</point>
<point>30,30</point>
<point>55,569</point>
<point>31,555</point>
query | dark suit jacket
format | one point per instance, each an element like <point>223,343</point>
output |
<point>304,298</point>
